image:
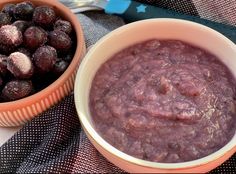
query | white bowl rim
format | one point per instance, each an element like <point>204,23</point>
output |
<point>112,150</point>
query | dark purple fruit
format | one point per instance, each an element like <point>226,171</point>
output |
<point>1,81</point>
<point>4,19</point>
<point>44,16</point>
<point>68,57</point>
<point>10,36</point>
<point>3,65</point>
<point>60,67</point>
<point>21,25</point>
<point>24,51</point>
<point>20,65</point>
<point>17,89</point>
<point>34,37</point>
<point>31,39</point>
<point>63,25</point>
<point>45,58</point>
<point>24,11</point>
<point>60,40</point>
<point>6,49</point>
<point>48,78</point>
<point>9,9</point>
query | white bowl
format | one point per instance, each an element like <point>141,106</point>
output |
<point>130,34</point>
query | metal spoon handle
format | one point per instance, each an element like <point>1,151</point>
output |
<point>77,3</point>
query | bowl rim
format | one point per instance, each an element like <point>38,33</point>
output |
<point>72,66</point>
<point>121,155</point>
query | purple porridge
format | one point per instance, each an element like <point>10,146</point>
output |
<point>164,101</point>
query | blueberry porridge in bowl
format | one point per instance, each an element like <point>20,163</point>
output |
<point>164,101</point>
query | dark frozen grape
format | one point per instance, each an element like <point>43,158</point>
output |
<point>4,19</point>
<point>34,37</point>
<point>9,9</point>
<point>60,40</point>
<point>63,25</point>
<point>21,25</point>
<point>44,16</point>
<point>6,49</point>
<point>3,65</point>
<point>68,57</point>
<point>1,81</point>
<point>24,11</point>
<point>10,36</point>
<point>60,67</point>
<point>24,51</point>
<point>17,89</point>
<point>20,65</point>
<point>44,58</point>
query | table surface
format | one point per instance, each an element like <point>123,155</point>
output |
<point>7,133</point>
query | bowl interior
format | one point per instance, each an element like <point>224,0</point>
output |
<point>123,37</point>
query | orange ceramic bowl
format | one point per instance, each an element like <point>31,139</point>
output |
<point>128,35</point>
<point>18,112</point>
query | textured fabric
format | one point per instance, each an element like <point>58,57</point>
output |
<point>54,142</point>
<point>223,11</point>
<point>182,6</point>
